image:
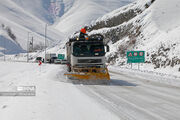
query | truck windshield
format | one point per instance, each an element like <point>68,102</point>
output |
<point>88,49</point>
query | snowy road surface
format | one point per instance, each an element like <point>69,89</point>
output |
<point>127,98</point>
<point>137,99</point>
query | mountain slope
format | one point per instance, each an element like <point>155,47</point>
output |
<point>42,9</point>
<point>152,26</point>
<point>23,16</point>
<point>20,22</point>
<point>83,12</point>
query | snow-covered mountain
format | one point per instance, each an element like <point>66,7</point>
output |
<point>19,21</point>
<point>151,25</point>
<point>23,16</point>
<point>79,13</point>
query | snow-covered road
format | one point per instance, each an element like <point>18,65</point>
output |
<point>54,100</point>
<point>132,98</point>
<point>127,98</point>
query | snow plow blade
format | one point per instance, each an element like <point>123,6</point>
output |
<point>92,75</point>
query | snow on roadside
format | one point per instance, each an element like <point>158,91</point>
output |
<point>169,79</point>
<point>54,99</point>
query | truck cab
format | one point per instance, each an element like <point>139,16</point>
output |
<point>86,53</point>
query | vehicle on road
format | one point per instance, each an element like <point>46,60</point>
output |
<point>60,61</point>
<point>86,58</point>
<point>49,56</point>
<point>64,61</point>
<point>39,59</point>
<point>57,61</point>
<point>52,59</point>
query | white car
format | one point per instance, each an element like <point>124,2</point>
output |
<point>59,61</point>
<point>63,61</point>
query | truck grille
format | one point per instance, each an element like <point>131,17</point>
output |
<point>89,60</point>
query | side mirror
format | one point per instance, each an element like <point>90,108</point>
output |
<point>107,48</point>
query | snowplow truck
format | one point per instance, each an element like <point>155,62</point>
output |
<point>86,58</point>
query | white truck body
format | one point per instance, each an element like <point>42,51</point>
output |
<point>49,56</point>
<point>86,53</point>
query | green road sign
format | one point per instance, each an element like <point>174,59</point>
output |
<point>135,56</point>
<point>61,56</point>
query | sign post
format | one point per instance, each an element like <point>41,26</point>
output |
<point>135,57</point>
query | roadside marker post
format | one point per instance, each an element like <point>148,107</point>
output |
<point>40,63</point>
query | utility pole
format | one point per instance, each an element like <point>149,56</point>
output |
<point>28,47</point>
<point>45,41</point>
<point>32,44</point>
<point>4,50</point>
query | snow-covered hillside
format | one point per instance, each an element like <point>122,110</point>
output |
<point>23,16</point>
<point>19,20</point>
<point>46,10</point>
<point>83,12</point>
<point>152,26</point>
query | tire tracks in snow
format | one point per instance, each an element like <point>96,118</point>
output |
<point>139,99</point>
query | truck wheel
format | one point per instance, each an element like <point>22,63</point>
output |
<point>68,68</point>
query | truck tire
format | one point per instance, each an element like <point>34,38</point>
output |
<point>69,68</point>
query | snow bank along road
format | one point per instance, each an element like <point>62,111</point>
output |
<point>127,98</point>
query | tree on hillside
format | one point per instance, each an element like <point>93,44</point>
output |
<point>10,34</point>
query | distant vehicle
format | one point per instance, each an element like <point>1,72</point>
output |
<point>60,61</point>
<point>52,59</point>
<point>57,61</point>
<point>49,56</point>
<point>64,61</point>
<point>39,59</point>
